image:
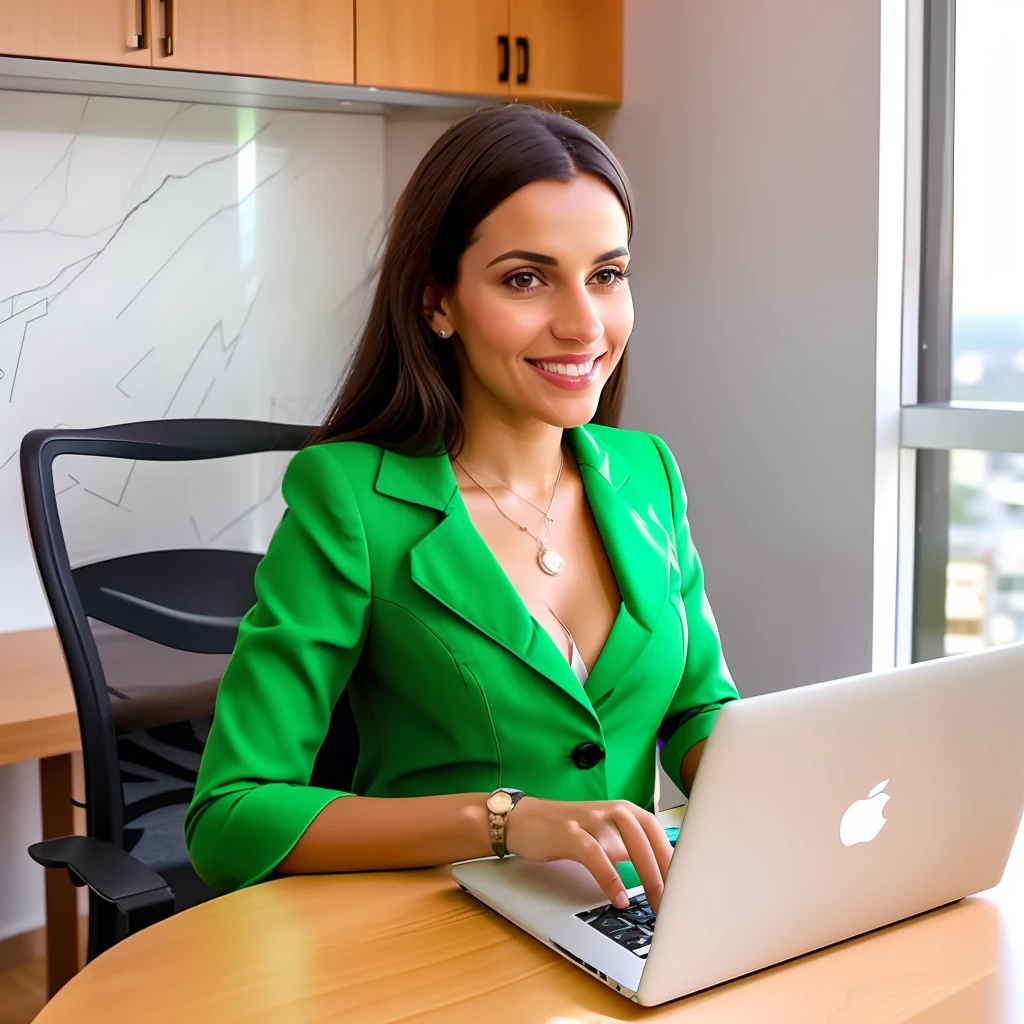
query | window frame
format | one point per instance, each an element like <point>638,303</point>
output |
<point>933,425</point>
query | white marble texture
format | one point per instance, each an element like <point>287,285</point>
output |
<point>171,260</point>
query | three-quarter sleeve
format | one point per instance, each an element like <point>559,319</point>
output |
<point>706,683</point>
<point>295,652</point>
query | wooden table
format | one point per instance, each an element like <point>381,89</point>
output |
<point>411,946</point>
<point>38,720</point>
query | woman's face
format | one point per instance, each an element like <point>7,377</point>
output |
<point>541,310</point>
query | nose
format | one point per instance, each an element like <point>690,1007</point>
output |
<point>576,319</point>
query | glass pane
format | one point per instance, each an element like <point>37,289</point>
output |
<point>984,604</point>
<point>988,202</point>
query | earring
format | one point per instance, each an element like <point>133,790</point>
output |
<point>440,334</point>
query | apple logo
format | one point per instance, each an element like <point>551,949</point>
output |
<point>863,819</point>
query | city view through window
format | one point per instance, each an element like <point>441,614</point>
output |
<point>985,573</point>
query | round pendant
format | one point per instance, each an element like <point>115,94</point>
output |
<point>551,561</point>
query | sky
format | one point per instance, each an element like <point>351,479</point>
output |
<point>988,159</point>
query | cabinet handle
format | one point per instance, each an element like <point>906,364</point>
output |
<point>169,27</point>
<point>523,48</point>
<point>503,73</point>
<point>141,41</point>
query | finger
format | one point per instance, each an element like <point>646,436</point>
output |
<point>659,841</point>
<point>593,857</point>
<point>641,854</point>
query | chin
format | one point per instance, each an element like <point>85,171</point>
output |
<point>569,414</point>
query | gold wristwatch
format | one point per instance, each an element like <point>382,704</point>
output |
<point>499,806</point>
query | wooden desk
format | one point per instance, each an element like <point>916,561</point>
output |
<point>37,707</point>
<point>411,946</point>
<point>38,720</point>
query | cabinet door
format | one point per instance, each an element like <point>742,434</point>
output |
<point>451,46</point>
<point>308,40</point>
<point>567,49</point>
<point>94,31</point>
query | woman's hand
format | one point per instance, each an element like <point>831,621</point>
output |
<point>598,835</point>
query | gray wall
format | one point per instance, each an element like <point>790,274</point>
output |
<point>750,133</point>
<point>406,141</point>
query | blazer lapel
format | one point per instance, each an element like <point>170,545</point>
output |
<point>639,549</point>
<point>454,565</point>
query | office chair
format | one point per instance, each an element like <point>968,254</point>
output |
<point>142,744</point>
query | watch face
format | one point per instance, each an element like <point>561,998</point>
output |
<point>499,803</point>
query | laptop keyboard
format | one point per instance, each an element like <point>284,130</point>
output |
<point>632,928</point>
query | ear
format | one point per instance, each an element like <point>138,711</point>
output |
<point>433,309</point>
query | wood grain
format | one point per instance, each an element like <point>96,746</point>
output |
<point>23,982</point>
<point>37,705</point>
<point>38,720</point>
<point>55,784</point>
<point>447,46</point>
<point>410,946</point>
<point>95,31</point>
<point>575,49</point>
<point>307,40</point>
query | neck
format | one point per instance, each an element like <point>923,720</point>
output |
<point>524,456</point>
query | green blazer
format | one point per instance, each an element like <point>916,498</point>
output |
<point>377,581</point>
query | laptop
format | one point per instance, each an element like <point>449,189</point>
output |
<point>818,813</point>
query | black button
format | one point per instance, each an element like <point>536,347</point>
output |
<point>586,755</point>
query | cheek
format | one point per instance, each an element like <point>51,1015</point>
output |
<point>617,317</point>
<point>493,329</point>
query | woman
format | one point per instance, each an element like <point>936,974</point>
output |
<point>503,584</point>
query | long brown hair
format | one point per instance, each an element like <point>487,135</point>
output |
<point>401,389</point>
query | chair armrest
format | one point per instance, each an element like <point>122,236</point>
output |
<point>112,873</point>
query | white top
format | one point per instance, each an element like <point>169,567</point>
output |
<point>576,662</point>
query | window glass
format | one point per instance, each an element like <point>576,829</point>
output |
<point>987,361</point>
<point>984,604</point>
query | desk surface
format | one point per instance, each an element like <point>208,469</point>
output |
<point>411,946</point>
<point>37,705</point>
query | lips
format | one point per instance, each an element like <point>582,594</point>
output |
<point>571,373</point>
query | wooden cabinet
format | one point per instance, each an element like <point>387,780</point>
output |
<point>100,31</point>
<point>556,50</point>
<point>550,49</point>
<point>453,46</point>
<point>309,40</point>
<point>566,49</point>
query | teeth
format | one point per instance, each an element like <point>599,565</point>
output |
<point>568,369</point>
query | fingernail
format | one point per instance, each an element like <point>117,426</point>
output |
<point>621,901</point>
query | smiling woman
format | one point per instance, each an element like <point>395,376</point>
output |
<point>560,309</point>
<point>448,233</point>
<point>500,581</point>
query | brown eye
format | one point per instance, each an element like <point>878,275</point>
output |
<point>608,276</point>
<point>523,281</point>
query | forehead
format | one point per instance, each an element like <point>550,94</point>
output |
<point>582,216</point>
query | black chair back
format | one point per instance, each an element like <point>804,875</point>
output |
<point>176,611</point>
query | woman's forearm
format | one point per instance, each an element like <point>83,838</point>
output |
<point>360,833</point>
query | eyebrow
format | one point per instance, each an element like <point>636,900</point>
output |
<point>550,261</point>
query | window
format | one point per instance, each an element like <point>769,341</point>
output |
<point>988,202</point>
<point>968,425</point>
<point>984,603</point>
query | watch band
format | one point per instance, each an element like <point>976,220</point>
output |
<point>500,804</point>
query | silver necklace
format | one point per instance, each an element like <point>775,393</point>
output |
<point>548,559</point>
<point>466,466</point>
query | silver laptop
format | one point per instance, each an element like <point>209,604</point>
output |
<point>818,813</point>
